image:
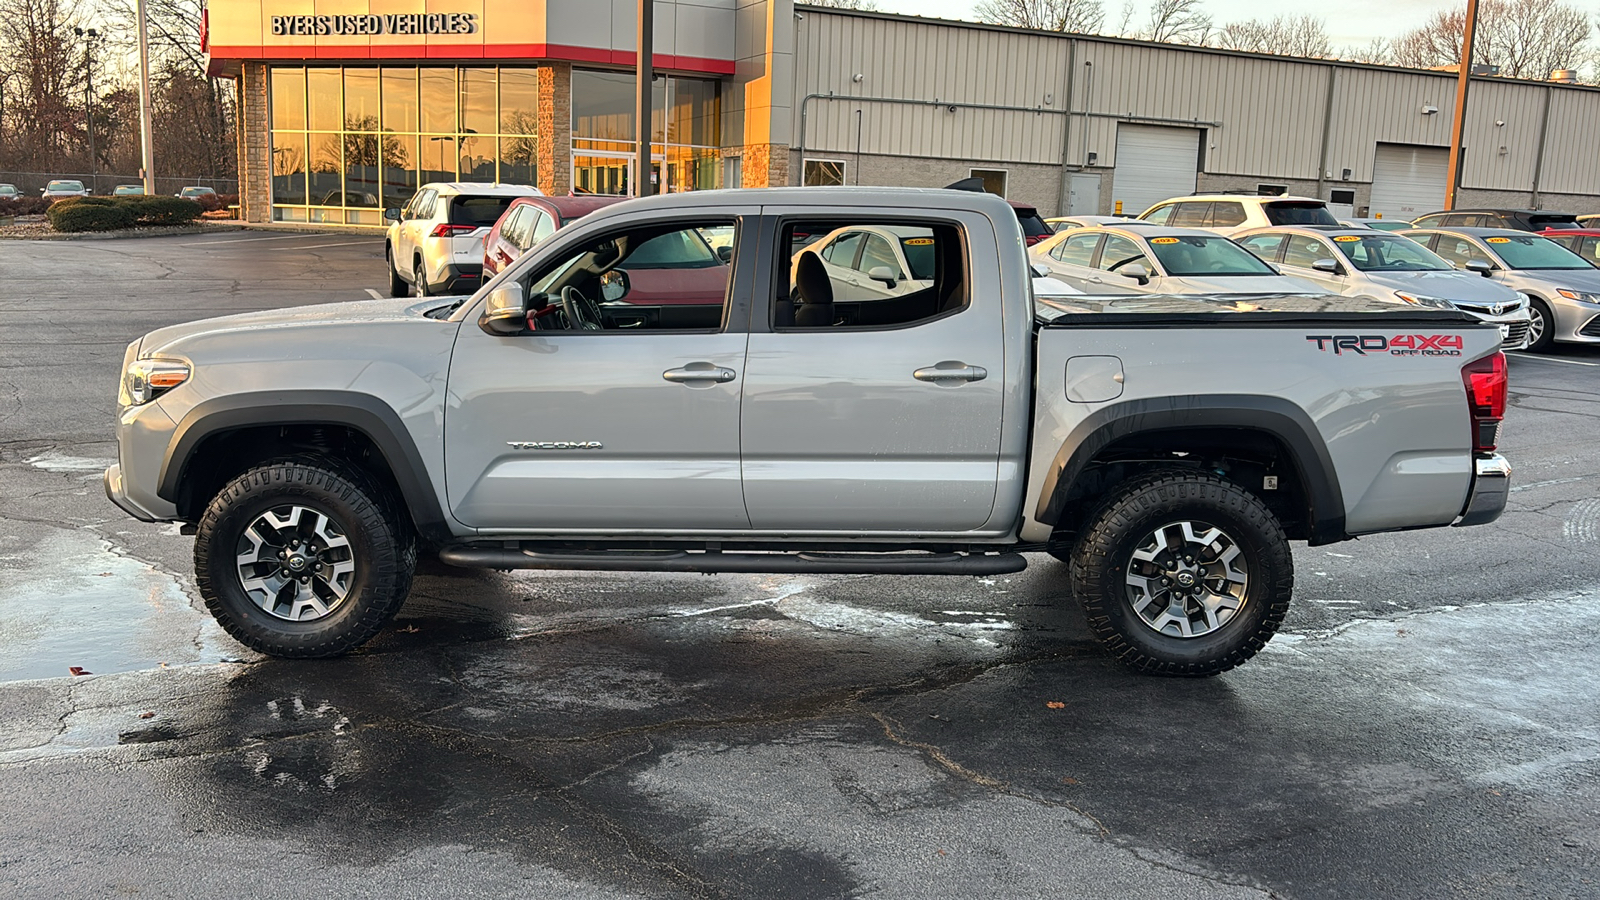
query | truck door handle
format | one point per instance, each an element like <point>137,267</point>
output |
<point>950,370</point>
<point>700,372</point>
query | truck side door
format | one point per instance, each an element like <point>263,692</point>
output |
<point>619,410</point>
<point>879,415</point>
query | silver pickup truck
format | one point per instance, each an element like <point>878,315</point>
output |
<point>684,384</point>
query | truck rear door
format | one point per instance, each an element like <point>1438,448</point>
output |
<point>874,415</point>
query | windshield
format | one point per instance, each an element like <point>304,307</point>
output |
<point>1206,256</point>
<point>1383,253</point>
<point>919,255</point>
<point>65,186</point>
<point>1531,252</point>
<point>1298,212</point>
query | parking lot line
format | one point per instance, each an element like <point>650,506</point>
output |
<point>275,237</point>
<point>1570,362</point>
<point>373,292</point>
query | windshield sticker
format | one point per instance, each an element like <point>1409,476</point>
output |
<point>1347,238</point>
<point>919,242</point>
<point>1163,240</point>
<point>1499,240</point>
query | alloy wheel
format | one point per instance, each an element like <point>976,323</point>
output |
<point>296,563</point>
<point>1187,579</point>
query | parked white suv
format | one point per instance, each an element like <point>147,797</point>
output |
<point>1228,213</point>
<point>435,243</point>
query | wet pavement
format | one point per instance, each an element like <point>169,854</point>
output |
<point>1424,727</point>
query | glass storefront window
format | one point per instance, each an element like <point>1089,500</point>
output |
<point>437,93</point>
<point>354,142</point>
<point>688,157</point>
<point>324,101</point>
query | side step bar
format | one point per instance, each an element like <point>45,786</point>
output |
<point>481,557</point>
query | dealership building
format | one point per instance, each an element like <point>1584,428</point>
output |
<point>345,106</point>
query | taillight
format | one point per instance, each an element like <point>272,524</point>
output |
<point>451,230</point>
<point>1485,380</point>
<point>1031,239</point>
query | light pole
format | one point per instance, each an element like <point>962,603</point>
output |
<point>89,36</point>
<point>1463,79</point>
<point>146,131</point>
<point>643,95</point>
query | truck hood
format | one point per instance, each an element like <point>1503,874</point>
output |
<point>1463,287</point>
<point>355,313</point>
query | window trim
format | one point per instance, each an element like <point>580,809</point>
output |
<point>844,171</point>
<point>972,172</point>
<point>773,244</point>
<point>732,310</point>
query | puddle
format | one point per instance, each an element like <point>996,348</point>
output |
<point>71,601</point>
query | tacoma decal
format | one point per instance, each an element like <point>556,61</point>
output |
<point>555,445</point>
<point>1398,345</point>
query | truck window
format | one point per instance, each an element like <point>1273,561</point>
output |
<point>646,278</point>
<point>829,285</point>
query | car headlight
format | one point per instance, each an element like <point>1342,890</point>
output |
<point>1582,296</point>
<point>1425,302</point>
<point>147,379</point>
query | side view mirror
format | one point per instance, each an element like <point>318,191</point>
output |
<point>1275,268</point>
<point>392,214</point>
<point>1039,271</point>
<point>883,274</point>
<point>614,285</point>
<point>506,310</point>
<point>725,253</point>
<point>1482,267</point>
<point>1135,271</point>
<point>1331,266</point>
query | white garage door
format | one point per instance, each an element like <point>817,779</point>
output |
<point>1408,182</point>
<point>1153,163</point>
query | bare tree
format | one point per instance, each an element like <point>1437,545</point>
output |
<point>1524,38</point>
<point>43,72</point>
<point>1287,35</point>
<point>1378,51</point>
<point>1178,22</point>
<point>1076,16</point>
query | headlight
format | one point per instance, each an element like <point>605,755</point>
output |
<point>1583,296</point>
<point>147,379</point>
<point>1426,302</point>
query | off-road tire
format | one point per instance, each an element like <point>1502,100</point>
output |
<point>1547,336</point>
<point>1139,506</point>
<point>380,537</point>
<point>397,285</point>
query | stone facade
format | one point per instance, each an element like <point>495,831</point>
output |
<point>764,165</point>
<point>255,151</point>
<point>555,129</point>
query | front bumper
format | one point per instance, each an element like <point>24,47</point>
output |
<point>118,494</point>
<point>1491,486</point>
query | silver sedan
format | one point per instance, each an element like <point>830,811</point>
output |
<point>1362,262</point>
<point>1154,259</point>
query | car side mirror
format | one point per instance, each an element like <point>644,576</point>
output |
<point>883,274</point>
<point>392,214</point>
<point>725,253</point>
<point>1482,267</point>
<point>1039,271</point>
<point>506,310</point>
<point>1135,271</point>
<point>1331,266</point>
<point>614,285</point>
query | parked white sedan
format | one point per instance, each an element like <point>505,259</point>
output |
<point>876,262</point>
<point>1147,259</point>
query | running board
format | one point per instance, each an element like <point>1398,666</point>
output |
<point>480,557</point>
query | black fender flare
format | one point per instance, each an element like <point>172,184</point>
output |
<point>361,412</point>
<point>1274,416</point>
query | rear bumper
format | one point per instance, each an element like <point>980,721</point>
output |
<point>1491,486</point>
<point>458,278</point>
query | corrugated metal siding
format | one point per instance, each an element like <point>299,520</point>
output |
<point>1270,110</point>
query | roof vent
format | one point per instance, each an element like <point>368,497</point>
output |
<point>1564,76</point>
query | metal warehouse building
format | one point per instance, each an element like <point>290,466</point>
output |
<point>346,105</point>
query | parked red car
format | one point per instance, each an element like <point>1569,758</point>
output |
<point>529,220</point>
<point>1583,241</point>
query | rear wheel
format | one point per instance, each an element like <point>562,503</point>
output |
<point>303,558</point>
<point>1183,573</point>
<point>397,285</point>
<point>1541,326</point>
<point>421,275</point>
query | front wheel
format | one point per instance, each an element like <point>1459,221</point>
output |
<point>303,559</point>
<point>1183,573</point>
<point>1541,326</point>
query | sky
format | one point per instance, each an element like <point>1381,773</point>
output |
<point>1350,23</point>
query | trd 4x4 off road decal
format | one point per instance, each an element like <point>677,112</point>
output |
<point>1399,345</point>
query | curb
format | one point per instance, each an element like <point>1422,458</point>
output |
<point>160,231</point>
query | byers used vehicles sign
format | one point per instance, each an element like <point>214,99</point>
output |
<point>401,23</point>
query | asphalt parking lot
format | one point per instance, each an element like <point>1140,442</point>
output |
<point>1424,727</point>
